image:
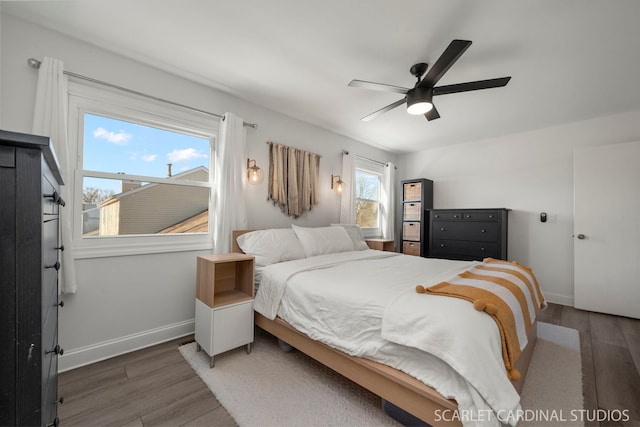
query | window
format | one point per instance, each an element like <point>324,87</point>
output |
<point>367,200</point>
<point>134,205</point>
<point>143,174</point>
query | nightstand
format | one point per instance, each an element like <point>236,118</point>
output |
<point>224,303</point>
<point>381,244</point>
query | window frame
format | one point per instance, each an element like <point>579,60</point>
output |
<point>87,98</point>
<point>372,168</point>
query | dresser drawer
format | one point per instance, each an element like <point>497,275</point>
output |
<point>412,211</point>
<point>458,249</point>
<point>411,231</point>
<point>411,248</point>
<point>49,307</point>
<point>48,355</point>
<point>446,216</point>
<point>472,231</point>
<point>488,216</point>
<point>50,240</point>
<point>50,395</point>
<point>49,386</point>
<point>50,204</point>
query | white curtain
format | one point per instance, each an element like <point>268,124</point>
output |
<point>230,212</point>
<point>388,201</point>
<point>347,213</point>
<point>50,119</point>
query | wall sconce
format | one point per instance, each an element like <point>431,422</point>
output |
<point>254,173</point>
<point>338,183</point>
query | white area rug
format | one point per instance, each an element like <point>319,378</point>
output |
<point>552,392</point>
<point>271,388</point>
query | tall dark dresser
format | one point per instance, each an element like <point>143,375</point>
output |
<point>468,234</point>
<point>29,264</point>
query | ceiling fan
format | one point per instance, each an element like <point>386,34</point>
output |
<point>419,98</point>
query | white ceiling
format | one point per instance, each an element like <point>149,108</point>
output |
<point>569,60</point>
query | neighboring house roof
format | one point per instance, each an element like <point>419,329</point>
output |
<point>183,175</point>
<point>158,207</point>
<point>196,224</point>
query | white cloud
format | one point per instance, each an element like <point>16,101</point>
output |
<point>185,155</point>
<point>118,138</point>
<point>149,157</point>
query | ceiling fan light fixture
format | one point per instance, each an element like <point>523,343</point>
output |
<point>419,108</point>
<point>419,100</point>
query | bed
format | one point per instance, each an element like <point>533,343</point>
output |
<point>296,292</point>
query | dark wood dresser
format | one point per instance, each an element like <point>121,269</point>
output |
<point>468,234</point>
<point>29,264</point>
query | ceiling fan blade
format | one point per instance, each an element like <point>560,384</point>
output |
<point>465,87</point>
<point>451,54</point>
<point>384,110</point>
<point>432,114</point>
<point>381,87</point>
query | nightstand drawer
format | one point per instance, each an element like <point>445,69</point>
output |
<point>223,328</point>
<point>232,326</point>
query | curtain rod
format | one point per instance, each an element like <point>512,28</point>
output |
<point>366,158</point>
<point>272,143</point>
<point>34,63</point>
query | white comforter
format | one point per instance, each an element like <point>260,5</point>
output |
<point>364,303</point>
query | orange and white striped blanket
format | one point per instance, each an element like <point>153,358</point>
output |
<point>508,292</point>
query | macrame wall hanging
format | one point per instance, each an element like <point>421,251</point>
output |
<point>293,179</point>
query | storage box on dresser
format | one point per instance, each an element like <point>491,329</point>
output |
<point>417,197</point>
<point>468,234</point>
<point>224,303</point>
<point>29,221</point>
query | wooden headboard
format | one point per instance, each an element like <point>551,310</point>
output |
<point>234,239</point>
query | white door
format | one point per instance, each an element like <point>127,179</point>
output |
<point>607,229</point>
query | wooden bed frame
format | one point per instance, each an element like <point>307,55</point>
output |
<point>390,384</point>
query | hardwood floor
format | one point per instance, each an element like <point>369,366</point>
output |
<point>610,350</point>
<point>150,387</point>
<point>156,387</point>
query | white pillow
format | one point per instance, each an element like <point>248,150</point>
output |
<point>271,246</point>
<point>323,240</point>
<point>355,233</point>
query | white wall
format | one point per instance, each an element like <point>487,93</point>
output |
<point>126,302</point>
<point>530,173</point>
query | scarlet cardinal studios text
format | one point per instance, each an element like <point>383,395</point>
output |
<point>538,415</point>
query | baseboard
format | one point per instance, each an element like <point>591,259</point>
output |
<point>75,358</point>
<point>558,298</point>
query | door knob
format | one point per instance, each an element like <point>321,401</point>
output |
<point>581,236</point>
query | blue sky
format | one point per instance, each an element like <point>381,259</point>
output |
<point>117,146</point>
